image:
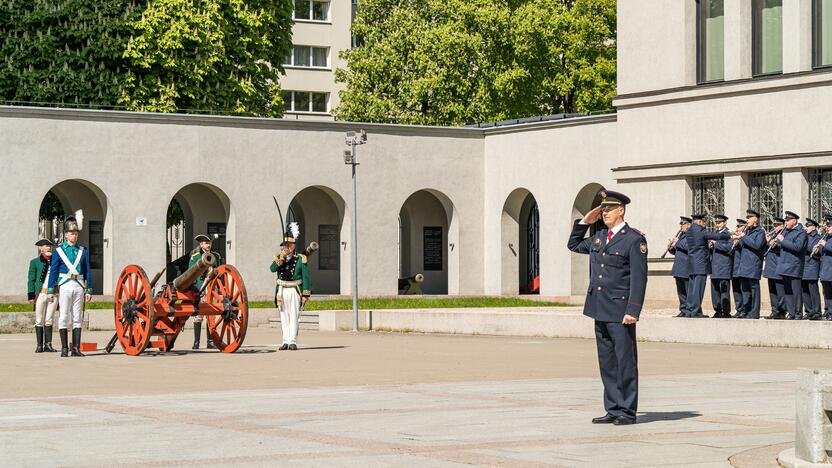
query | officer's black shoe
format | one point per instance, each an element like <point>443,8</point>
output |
<point>624,421</point>
<point>739,316</point>
<point>197,333</point>
<point>605,419</point>
<point>798,317</point>
<point>789,317</point>
<point>293,347</point>
<point>699,315</point>
<point>39,338</point>
<point>47,339</point>
<point>76,343</point>
<point>681,314</point>
<point>64,348</point>
<point>828,317</point>
<point>283,347</point>
<point>814,317</point>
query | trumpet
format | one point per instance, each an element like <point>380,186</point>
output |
<point>667,250</point>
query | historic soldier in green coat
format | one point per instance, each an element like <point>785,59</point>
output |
<point>196,255</point>
<point>37,286</point>
<point>293,286</point>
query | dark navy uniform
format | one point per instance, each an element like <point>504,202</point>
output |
<point>618,280</point>
<point>776,292</point>
<point>699,260</point>
<point>790,266</point>
<point>721,272</point>
<point>811,272</point>
<point>825,274</point>
<point>736,281</point>
<point>681,268</point>
<point>753,245</point>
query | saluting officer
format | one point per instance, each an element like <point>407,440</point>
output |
<point>38,285</point>
<point>618,279</point>
<point>753,243</point>
<point>736,281</point>
<point>826,268</point>
<point>811,271</point>
<point>792,242</point>
<point>204,247</point>
<point>721,270</point>
<point>699,258</point>
<point>776,293</point>
<point>678,247</point>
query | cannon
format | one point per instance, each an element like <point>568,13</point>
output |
<point>411,284</point>
<point>147,319</point>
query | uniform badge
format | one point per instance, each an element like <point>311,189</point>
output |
<point>597,241</point>
<point>643,247</point>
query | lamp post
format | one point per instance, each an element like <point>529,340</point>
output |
<point>351,158</point>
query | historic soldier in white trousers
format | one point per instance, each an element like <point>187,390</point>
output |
<point>293,286</point>
<point>38,283</point>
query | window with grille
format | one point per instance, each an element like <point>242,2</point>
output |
<point>820,193</point>
<point>709,197</point>
<point>765,194</point>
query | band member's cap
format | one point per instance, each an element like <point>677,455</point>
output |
<point>697,217</point>
<point>811,222</point>
<point>202,238</point>
<point>685,220</point>
<point>779,220</point>
<point>720,217</point>
<point>610,198</point>
<point>741,222</point>
<point>791,215</point>
<point>43,242</point>
<point>749,213</point>
<point>828,218</point>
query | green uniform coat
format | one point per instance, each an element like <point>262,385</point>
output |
<point>37,273</point>
<point>301,273</point>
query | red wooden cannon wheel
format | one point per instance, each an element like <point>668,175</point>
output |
<point>227,292</point>
<point>133,310</point>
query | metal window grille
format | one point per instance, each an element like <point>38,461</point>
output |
<point>820,193</point>
<point>709,197</point>
<point>765,194</point>
<point>533,250</point>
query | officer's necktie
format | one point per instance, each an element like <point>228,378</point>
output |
<point>609,235</point>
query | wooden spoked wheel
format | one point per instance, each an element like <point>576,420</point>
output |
<point>227,293</point>
<point>133,310</point>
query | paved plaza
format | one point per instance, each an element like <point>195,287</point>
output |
<point>382,399</point>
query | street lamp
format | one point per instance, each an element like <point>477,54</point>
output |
<point>351,158</point>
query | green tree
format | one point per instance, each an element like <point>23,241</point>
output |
<point>451,62</point>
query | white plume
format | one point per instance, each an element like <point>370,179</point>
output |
<point>79,216</point>
<point>294,229</point>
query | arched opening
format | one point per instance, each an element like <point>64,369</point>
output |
<point>520,247</point>
<point>198,209</point>
<point>65,199</point>
<point>428,236</point>
<point>320,212</point>
<point>586,199</point>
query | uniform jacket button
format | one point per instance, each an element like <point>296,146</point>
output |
<point>599,288</point>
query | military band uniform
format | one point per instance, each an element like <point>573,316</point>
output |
<point>776,291</point>
<point>699,261</point>
<point>825,276</point>
<point>721,271</point>
<point>790,268</point>
<point>37,286</point>
<point>196,256</point>
<point>811,272</point>
<point>681,271</point>
<point>618,280</point>
<point>292,285</point>
<point>736,281</point>
<point>753,245</point>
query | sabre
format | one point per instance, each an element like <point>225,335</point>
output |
<point>280,213</point>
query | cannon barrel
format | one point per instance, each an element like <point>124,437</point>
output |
<point>187,279</point>
<point>410,284</point>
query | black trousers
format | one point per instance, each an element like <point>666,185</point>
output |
<point>618,362</point>
<point>750,297</point>
<point>682,292</point>
<point>794,296</point>
<point>736,288</point>
<point>827,297</point>
<point>721,296</point>
<point>777,296</point>
<point>811,298</point>
<point>696,291</point>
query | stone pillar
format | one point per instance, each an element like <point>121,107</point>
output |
<point>738,39</point>
<point>797,35</point>
<point>813,435</point>
<point>796,191</point>
<point>736,196</point>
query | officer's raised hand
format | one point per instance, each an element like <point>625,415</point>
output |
<point>593,216</point>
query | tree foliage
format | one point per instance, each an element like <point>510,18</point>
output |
<point>462,61</point>
<point>154,55</point>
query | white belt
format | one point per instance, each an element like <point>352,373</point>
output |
<point>289,284</point>
<point>71,276</point>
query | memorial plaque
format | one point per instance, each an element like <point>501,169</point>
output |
<point>96,244</point>
<point>432,252</point>
<point>329,257</point>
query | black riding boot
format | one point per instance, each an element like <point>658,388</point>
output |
<point>76,342</point>
<point>64,348</point>
<point>197,332</point>
<point>210,342</point>
<point>47,339</point>
<point>39,338</point>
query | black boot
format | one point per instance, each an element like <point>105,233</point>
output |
<point>39,338</point>
<point>64,349</point>
<point>210,341</point>
<point>76,342</point>
<point>47,339</point>
<point>197,332</point>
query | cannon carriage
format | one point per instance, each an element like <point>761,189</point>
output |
<point>146,318</point>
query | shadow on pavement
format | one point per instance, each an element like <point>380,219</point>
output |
<point>654,416</point>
